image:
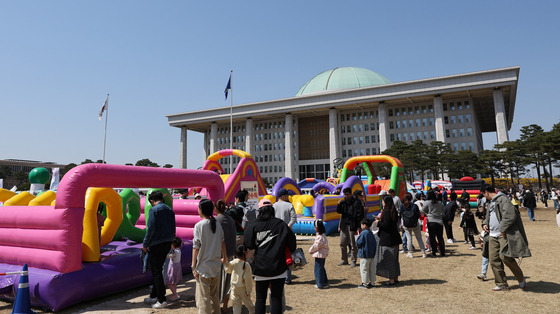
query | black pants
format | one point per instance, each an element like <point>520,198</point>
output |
<point>471,238</point>
<point>448,229</point>
<point>276,289</point>
<point>157,256</point>
<point>436,232</point>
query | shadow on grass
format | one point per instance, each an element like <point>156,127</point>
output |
<point>412,282</point>
<point>546,287</point>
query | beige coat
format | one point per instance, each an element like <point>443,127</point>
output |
<point>241,277</point>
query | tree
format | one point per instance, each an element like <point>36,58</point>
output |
<point>99,161</point>
<point>530,136</point>
<point>437,155</point>
<point>87,161</point>
<point>5,171</point>
<point>168,166</point>
<point>402,151</point>
<point>66,169</point>
<point>490,163</point>
<point>513,156</point>
<point>146,163</point>
<point>464,164</point>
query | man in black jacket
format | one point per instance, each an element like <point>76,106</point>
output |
<point>449,211</point>
<point>352,212</point>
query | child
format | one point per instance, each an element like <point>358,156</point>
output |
<point>174,271</point>
<point>320,250</point>
<point>483,241</point>
<point>469,225</point>
<point>241,281</point>
<point>208,250</point>
<point>366,252</point>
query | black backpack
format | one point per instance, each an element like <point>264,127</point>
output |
<point>410,216</point>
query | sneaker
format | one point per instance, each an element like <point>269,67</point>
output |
<point>402,251</point>
<point>342,263</point>
<point>523,285</point>
<point>409,255</point>
<point>150,301</point>
<point>473,248</point>
<point>482,277</point>
<point>363,286</point>
<point>466,242</point>
<point>424,255</point>
<point>174,298</point>
<point>500,288</point>
<point>370,285</point>
<point>353,264</point>
<point>449,240</point>
<point>159,305</point>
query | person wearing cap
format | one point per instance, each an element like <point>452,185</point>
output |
<point>284,210</point>
<point>197,196</point>
<point>352,212</point>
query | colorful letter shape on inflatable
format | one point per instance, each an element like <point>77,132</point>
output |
<point>22,199</point>
<point>90,238</point>
<point>43,199</point>
<point>167,199</point>
<point>130,201</point>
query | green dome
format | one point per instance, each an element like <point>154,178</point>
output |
<point>39,176</point>
<point>342,78</point>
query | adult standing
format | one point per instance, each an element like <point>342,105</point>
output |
<point>530,202</point>
<point>160,232</point>
<point>452,195</point>
<point>544,197</point>
<point>410,215</point>
<point>507,239</point>
<point>434,210</point>
<point>269,237</point>
<point>237,212</point>
<point>284,210</point>
<point>387,256</point>
<point>352,212</point>
<point>228,226</point>
<point>554,197</point>
<point>449,211</point>
<point>398,204</point>
<point>465,197</point>
<point>208,253</point>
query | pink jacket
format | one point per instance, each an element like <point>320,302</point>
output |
<point>320,249</point>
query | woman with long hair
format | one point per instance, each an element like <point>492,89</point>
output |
<point>387,256</point>
<point>434,210</point>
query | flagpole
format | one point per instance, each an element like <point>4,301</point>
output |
<point>105,137</point>
<point>231,126</point>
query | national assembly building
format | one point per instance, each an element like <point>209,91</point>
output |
<point>348,111</point>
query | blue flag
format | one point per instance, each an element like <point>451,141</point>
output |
<point>228,87</point>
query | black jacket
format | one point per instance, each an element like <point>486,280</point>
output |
<point>388,231</point>
<point>269,239</point>
<point>352,212</point>
<point>449,211</point>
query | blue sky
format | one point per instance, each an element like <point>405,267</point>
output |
<point>59,59</point>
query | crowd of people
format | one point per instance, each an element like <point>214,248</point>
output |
<point>237,248</point>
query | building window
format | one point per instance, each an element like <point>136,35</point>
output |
<point>348,129</point>
<point>354,116</point>
<point>462,132</point>
<point>423,109</point>
<point>431,121</point>
<point>342,117</point>
<point>418,135</point>
<point>405,137</point>
<point>467,105</point>
<point>417,123</point>
<point>359,116</point>
<point>459,105</point>
<point>445,107</point>
<point>349,141</point>
<point>373,138</point>
<point>445,120</point>
<point>398,124</point>
<point>417,109</point>
<point>372,126</point>
<point>366,127</point>
<point>433,135</point>
<point>453,120</point>
<point>468,118</point>
<point>343,141</point>
<point>397,112</point>
<point>424,122</point>
<point>390,112</point>
<point>404,124</point>
<point>392,136</point>
<point>367,139</point>
<point>447,134</point>
<point>471,146</point>
<point>452,106</point>
<point>355,140</point>
<point>426,135</point>
<point>361,127</point>
<point>344,153</point>
<point>412,136</point>
<point>368,151</point>
<point>361,139</point>
<point>460,118</point>
<point>391,125</point>
<point>456,147</point>
<point>454,132</point>
<point>342,129</point>
<point>463,146</point>
<point>469,131</point>
<point>431,108</point>
<point>354,128</point>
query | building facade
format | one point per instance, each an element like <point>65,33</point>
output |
<point>346,112</point>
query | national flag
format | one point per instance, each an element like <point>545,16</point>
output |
<point>105,107</point>
<point>228,87</point>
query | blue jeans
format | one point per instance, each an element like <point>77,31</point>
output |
<point>405,242</point>
<point>556,204</point>
<point>289,276</point>
<point>531,213</point>
<point>484,267</point>
<point>320,273</point>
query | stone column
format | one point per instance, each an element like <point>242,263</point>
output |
<point>205,152</point>
<point>501,122</point>
<point>213,134</point>
<point>183,152</point>
<point>249,136</point>
<point>288,155</point>
<point>383,127</point>
<point>438,115</point>
<point>334,146</point>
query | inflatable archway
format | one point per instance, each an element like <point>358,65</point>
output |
<point>397,179</point>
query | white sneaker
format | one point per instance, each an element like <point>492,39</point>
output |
<point>159,305</point>
<point>449,240</point>
<point>150,301</point>
<point>423,255</point>
<point>409,255</point>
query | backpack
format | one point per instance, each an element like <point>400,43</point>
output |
<point>250,216</point>
<point>410,216</point>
